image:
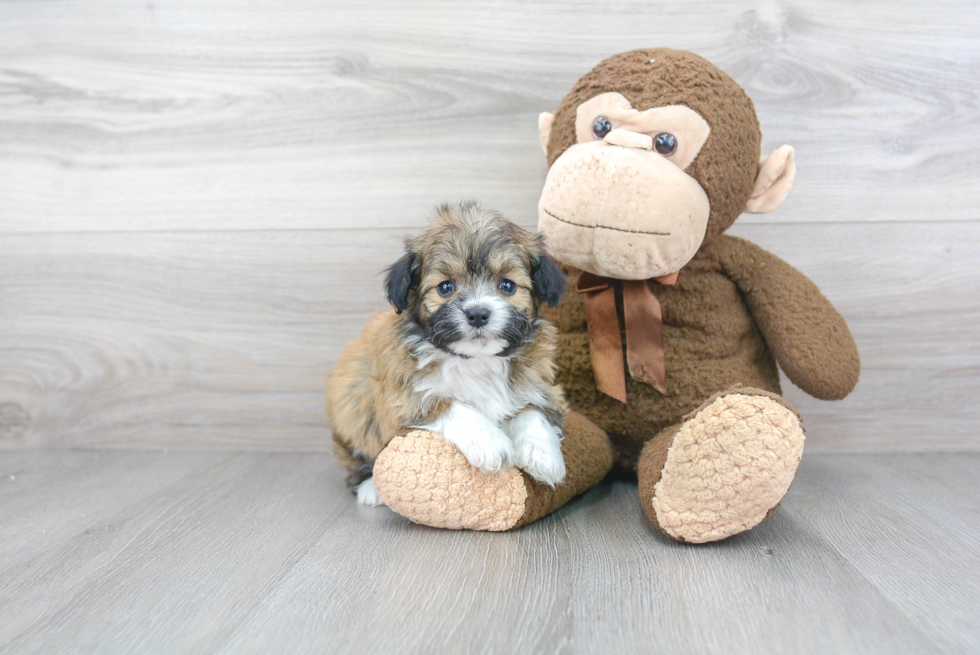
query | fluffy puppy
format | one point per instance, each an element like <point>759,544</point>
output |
<point>462,353</point>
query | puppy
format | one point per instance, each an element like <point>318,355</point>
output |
<point>463,353</point>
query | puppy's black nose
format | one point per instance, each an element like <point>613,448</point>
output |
<point>477,316</point>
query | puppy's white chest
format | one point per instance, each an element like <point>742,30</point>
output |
<point>482,382</point>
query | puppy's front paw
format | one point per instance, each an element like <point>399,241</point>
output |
<point>537,447</point>
<point>484,446</point>
<point>542,462</point>
<point>482,443</point>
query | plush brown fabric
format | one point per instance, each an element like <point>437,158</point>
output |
<point>727,165</point>
<point>711,342</point>
<point>429,482</point>
<point>738,480</point>
<point>588,457</point>
<point>729,304</point>
<point>734,311</point>
<point>810,340</point>
<point>650,467</point>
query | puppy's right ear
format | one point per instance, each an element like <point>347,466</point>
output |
<point>398,281</point>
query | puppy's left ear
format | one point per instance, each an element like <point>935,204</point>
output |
<point>398,281</point>
<point>549,281</point>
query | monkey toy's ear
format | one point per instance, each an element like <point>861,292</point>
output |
<point>775,179</point>
<point>399,281</point>
<point>544,129</point>
<point>549,281</point>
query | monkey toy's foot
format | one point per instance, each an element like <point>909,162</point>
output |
<point>427,480</point>
<point>724,468</point>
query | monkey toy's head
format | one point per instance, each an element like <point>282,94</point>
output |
<point>652,153</point>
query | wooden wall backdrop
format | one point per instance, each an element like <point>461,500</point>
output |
<point>196,198</point>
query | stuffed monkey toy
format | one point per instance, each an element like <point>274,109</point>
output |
<point>671,334</point>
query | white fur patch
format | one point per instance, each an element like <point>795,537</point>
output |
<point>480,382</point>
<point>537,447</point>
<point>476,346</point>
<point>367,494</point>
<point>480,440</point>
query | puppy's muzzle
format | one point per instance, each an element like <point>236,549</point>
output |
<point>478,316</point>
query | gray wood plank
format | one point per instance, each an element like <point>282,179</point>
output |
<point>221,339</point>
<point>301,114</point>
<point>178,570</point>
<point>378,584</point>
<point>593,579</point>
<point>777,589</point>
<point>47,497</point>
<point>268,553</point>
<point>159,340</point>
<point>901,520</point>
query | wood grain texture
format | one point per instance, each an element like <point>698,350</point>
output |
<point>47,499</point>
<point>779,588</point>
<point>207,546</point>
<point>918,517</point>
<point>173,115</point>
<point>196,199</point>
<point>202,340</point>
<point>262,552</point>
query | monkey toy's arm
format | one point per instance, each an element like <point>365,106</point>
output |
<point>809,338</point>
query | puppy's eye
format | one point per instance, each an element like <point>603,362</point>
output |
<point>446,288</point>
<point>507,287</point>
<point>601,127</point>
<point>665,144</point>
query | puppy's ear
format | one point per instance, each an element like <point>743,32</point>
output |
<point>399,281</point>
<point>549,281</point>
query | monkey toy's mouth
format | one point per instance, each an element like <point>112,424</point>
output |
<point>621,213</point>
<point>604,227</point>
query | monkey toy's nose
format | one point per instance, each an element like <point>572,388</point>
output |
<point>477,316</point>
<point>629,139</point>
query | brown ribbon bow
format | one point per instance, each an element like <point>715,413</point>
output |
<point>644,333</point>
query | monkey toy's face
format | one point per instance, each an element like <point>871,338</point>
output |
<point>619,203</point>
<point>651,153</point>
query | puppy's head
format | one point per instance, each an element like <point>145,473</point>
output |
<point>472,282</point>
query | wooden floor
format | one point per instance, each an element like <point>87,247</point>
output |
<point>139,552</point>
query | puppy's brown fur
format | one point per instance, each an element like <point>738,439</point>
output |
<point>372,391</point>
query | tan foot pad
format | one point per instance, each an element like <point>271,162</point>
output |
<point>727,468</point>
<point>429,482</point>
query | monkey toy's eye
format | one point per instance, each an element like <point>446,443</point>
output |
<point>507,287</point>
<point>665,144</point>
<point>601,127</point>
<point>446,288</point>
